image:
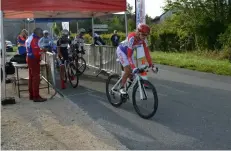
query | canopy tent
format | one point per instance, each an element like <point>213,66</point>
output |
<point>54,9</point>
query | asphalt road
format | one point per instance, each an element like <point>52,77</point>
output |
<point>194,111</point>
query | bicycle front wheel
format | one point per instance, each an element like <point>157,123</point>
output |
<point>72,75</point>
<point>153,97</point>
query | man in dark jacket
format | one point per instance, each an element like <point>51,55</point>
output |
<point>115,39</point>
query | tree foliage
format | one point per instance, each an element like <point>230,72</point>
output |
<point>197,24</point>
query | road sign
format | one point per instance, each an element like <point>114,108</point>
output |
<point>100,27</point>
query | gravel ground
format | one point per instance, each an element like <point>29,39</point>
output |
<point>55,124</point>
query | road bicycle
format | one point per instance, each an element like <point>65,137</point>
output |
<point>77,57</point>
<point>137,85</point>
<point>70,72</point>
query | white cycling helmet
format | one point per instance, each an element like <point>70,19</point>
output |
<point>45,32</point>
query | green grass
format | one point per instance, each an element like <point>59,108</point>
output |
<point>193,61</point>
<point>15,48</point>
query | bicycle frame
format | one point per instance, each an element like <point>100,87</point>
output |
<point>138,78</point>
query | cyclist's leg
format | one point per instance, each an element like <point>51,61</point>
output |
<point>126,68</point>
<point>62,73</point>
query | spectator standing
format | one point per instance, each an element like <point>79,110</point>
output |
<point>33,61</point>
<point>21,39</point>
<point>115,38</point>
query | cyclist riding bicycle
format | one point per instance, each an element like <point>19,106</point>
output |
<point>79,41</point>
<point>62,47</point>
<point>125,52</point>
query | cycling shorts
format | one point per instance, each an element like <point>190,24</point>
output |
<point>61,61</point>
<point>123,57</point>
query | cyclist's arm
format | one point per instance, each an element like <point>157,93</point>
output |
<point>58,49</point>
<point>82,44</point>
<point>146,51</point>
<point>130,52</point>
<point>40,43</point>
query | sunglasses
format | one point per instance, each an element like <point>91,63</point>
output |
<point>144,35</point>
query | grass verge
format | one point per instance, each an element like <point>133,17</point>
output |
<point>15,48</point>
<point>193,61</point>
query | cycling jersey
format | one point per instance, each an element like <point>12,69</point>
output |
<point>79,42</point>
<point>63,43</point>
<point>45,42</point>
<point>127,47</point>
<point>21,44</point>
<point>33,50</point>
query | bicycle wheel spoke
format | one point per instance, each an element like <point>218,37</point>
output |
<point>146,107</point>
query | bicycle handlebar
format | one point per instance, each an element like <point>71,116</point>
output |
<point>145,69</point>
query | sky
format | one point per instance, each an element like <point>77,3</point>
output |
<point>152,7</point>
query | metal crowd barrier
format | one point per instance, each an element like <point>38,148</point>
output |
<point>49,59</point>
<point>102,58</point>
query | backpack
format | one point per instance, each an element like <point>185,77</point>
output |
<point>9,68</point>
<point>20,59</point>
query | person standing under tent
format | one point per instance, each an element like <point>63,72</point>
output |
<point>33,61</point>
<point>45,42</point>
<point>21,39</point>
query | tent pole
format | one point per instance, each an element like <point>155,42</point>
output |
<point>28,24</point>
<point>34,24</point>
<point>92,23</point>
<point>77,27</point>
<point>126,23</point>
<point>3,59</point>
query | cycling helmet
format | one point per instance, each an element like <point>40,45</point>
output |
<point>38,31</point>
<point>45,32</point>
<point>82,30</point>
<point>143,28</point>
<point>65,32</point>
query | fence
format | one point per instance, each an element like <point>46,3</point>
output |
<point>102,58</point>
<point>49,72</point>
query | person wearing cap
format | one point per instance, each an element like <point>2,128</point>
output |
<point>97,39</point>
<point>125,53</point>
<point>79,41</point>
<point>45,42</point>
<point>115,38</point>
<point>62,47</point>
<point>33,61</point>
<point>21,39</point>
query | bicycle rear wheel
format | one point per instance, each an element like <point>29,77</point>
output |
<point>154,99</point>
<point>111,81</point>
<point>81,65</point>
<point>72,75</point>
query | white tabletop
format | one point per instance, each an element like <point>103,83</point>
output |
<point>24,65</point>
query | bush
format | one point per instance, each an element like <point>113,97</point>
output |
<point>106,38</point>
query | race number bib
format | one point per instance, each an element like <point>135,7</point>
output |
<point>140,52</point>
